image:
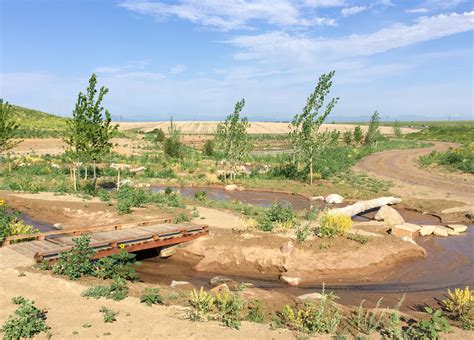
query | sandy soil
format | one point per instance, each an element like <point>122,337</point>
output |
<point>55,146</point>
<point>399,166</point>
<point>192,127</point>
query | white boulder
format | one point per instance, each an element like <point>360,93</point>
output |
<point>334,199</point>
<point>389,215</point>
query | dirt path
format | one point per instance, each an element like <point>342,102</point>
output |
<point>399,166</point>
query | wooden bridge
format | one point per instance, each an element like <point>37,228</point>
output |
<point>106,240</point>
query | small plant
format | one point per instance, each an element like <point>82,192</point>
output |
<point>151,296</point>
<point>117,291</point>
<point>183,217</point>
<point>428,329</point>
<point>229,306</point>
<point>44,265</point>
<point>358,135</point>
<point>26,322</point>
<point>77,261</point>
<point>460,304</point>
<point>334,225</point>
<point>358,238</point>
<point>200,196</point>
<point>202,303</point>
<point>86,325</point>
<point>366,321</point>
<point>324,318</point>
<point>303,232</point>
<point>109,315</point>
<point>255,313</point>
<point>278,216</point>
<point>311,214</point>
<point>393,326</point>
<point>104,195</point>
<point>119,265</point>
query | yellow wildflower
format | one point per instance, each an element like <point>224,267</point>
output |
<point>122,246</point>
<point>2,202</point>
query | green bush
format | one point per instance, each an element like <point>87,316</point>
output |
<point>367,321</point>
<point>117,290</point>
<point>183,217</point>
<point>27,321</point>
<point>202,303</point>
<point>77,261</point>
<point>255,313</point>
<point>229,307</point>
<point>279,216</point>
<point>173,148</point>
<point>209,148</point>
<point>11,225</point>
<point>461,159</point>
<point>303,233</point>
<point>119,265</point>
<point>151,296</point>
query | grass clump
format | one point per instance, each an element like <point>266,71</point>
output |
<point>392,328</point>
<point>119,265</point>
<point>202,303</point>
<point>358,238</point>
<point>321,318</point>
<point>183,217</point>
<point>26,322</point>
<point>303,232</point>
<point>460,159</point>
<point>255,313</point>
<point>108,314</point>
<point>151,296</point>
<point>10,225</point>
<point>334,225</point>
<point>460,305</point>
<point>117,290</point>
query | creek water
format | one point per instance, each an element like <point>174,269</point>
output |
<point>449,262</point>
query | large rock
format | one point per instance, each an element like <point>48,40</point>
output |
<point>220,289</point>
<point>316,198</point>
<point>334,199</point>
<point>405,229</point>
<point>441,231</point>
<point>290,280</point>
<point>389,215</point>
<point>167,252</point>
<point>231,187</point>
<point>459,228</point>
<point>427,230</point>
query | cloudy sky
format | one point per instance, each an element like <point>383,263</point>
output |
<point>193,59</point>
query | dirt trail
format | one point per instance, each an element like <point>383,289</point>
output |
<point>399,166</point>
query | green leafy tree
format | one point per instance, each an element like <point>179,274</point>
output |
<point>347,137</point>
<point>90,131</point>
<point>304,135</point>
<point>373,133</point>
<point>8,130</point>
<point>358,135</point>
<point>231,138</point>
<point>173,146</point>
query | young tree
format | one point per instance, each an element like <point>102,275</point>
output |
<point>173,146</point>
<point>373,133</point>
<point>90,130</point>
<point>8,131</point>
<point>304,134</point>
<point>397,130</point>
<point>231,138</point>
<point>358,135</point>
<point>347,137</point>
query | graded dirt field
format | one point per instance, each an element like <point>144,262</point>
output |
<point>204,128</point>
<point>399,167</point>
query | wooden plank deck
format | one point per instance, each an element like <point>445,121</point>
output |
<point>108,242</point>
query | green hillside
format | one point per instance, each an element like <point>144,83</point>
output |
<point>34,119</point>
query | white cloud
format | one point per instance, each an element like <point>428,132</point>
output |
<point>278,46</point>
<point>234,14</point>
<point>420,10</point>
<point>136,64</point>
<point>176,69</point>
<point>353,10</point>
<point>324,3</point>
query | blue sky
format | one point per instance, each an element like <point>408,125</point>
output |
<point>193,59</point>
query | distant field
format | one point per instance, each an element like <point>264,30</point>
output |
<point>207,128</point>
<point>422,124</point>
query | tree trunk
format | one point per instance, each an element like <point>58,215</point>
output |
<point>311,171</point>
<point>74,177</point>
<point>85,171</point>
<point>359,207</point>
<point>9,163</point>
<point>95,172</point>
<point>118,178</point>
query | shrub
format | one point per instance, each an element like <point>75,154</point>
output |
<point>26,322</point>
<point>119,265</point>
<point>104,195</point>
<point>279,215</point>
<point>334,225</point>
<point>303,233</point>
<point>151,296</point>
<point>229,306</point>
<point>311,214</point>
<point>255,313</point>
<point>173,148</point>
<point>460,304</point>
<point>367,321</point>
<point>10,225</point>
<point>358,135</point>
<point>428,329</point>
<point>77,261</point>
<point>358,238</point>
<point>373,132</point>
<point>324,318</point>
<point>209,148</point>
<point>109,315</point>
<point>202,303</point>
<point>200,196</point>
<point>347,137</point>
<point>183,217</point>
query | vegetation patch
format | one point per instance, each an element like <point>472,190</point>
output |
<point>333,225</point>
<point>26,322</point>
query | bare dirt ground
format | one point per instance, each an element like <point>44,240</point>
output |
<point>203,128</point>
<point>411,181</point>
